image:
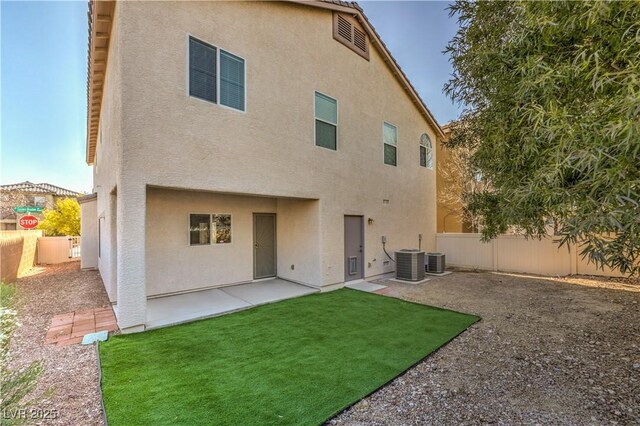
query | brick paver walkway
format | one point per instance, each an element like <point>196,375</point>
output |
<point>70,328</point>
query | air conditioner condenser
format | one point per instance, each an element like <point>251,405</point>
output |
<point>435,263</point>
<point>410,265</point>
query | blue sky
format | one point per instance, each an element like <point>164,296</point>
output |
<point>43,82</point>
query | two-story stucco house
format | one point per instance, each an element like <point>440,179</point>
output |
<point>234,142</point>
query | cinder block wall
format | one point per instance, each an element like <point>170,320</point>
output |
<point>17,253</point>
<point>10,257</point>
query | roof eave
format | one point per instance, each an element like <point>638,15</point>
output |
<point>100,17</point>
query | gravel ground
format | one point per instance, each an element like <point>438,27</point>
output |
<point>547,351</point>
<point>71,371</point>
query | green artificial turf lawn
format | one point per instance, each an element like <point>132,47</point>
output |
<point>299,361</point>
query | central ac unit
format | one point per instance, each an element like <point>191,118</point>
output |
<point>410,265</point>
<point>435,263</point>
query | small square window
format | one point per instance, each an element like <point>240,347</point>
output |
<point>39,201</point>
<point>199,225</point>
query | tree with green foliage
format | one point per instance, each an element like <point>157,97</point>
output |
<point>551,92</point>
<point>63,220</point>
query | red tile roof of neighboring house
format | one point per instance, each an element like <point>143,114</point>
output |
<point>42,188</point>
<point>342,3</point>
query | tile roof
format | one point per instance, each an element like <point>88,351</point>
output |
<point>42,188</point>
<point>342,3</point>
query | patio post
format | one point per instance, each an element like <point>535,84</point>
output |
<point>131,307</point>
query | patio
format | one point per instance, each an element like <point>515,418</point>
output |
<point>180,308</point>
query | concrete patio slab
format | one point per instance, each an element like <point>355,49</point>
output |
<point>169,310</point>
<point>395,280</point>
<point>366,286</point>
<point>433,274</point>
<point>180,308</point>
<point>268,291</point>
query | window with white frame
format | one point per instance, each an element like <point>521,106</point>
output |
<point>216,75</point>
<point>390,144</point>
<point>39,201</point>
<point>206,229</point>
<point>221,228</point>
<point>426,151</point>
<point>326,115</point>
<point>199,226</point>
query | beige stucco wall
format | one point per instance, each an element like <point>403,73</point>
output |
<point>89,232</point>
<point>299,241</point>
<point>169,139</point>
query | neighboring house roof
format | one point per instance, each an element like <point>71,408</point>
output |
<point>87,198</point>
<point>39,188</point>
<point>101,14</point>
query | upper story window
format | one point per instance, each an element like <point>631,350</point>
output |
<point>216,75</point>
<point>202,70</point>
<point>390,144</point>
<point>426,151</point>
<point>39,201</point>
<point>326,115</point>
<point>349,33</point>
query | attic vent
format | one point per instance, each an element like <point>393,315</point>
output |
<point>360,39</point>
<point>344,28</point>
<point>347,32</point>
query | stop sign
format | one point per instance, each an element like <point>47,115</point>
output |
<point>28,221</point>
